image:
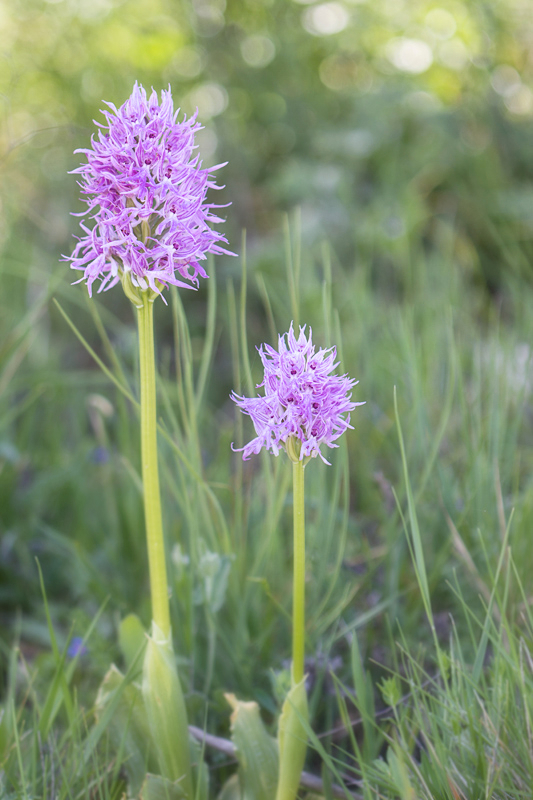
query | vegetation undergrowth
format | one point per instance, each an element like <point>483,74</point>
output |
<point>419,625</point>
<point>401,131</point>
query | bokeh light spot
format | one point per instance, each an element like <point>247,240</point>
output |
<point>207,142</point>
<point>505,80</point>
<point>92,10</point>
<point>338,72</point>
<point>189,61</point>
<point>441,23</point>
<point>453,54</point>
<point>209,16</point>
<point>258,51</point>
<point>211,99</point>
<point>325,19</point>
<point>409,55</point>
<point>520,101</point>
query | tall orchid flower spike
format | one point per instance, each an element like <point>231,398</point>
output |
<point>304,407</point>
<point>145,191</point>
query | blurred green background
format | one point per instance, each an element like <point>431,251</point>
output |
<point>397,137</point>
<point>372,117</point>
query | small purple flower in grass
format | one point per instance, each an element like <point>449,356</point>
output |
<point>76,647</point>
<point>303,402</point>
<point>146,191</point>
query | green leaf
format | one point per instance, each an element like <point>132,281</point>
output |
<point>364,693</point>
<point>157,788</point>
<point>292,740</point>
<point>256,751</point>
<point>213,572</point>
<point>200,772</point>
<point>7,711</point>
<point>59,689</point>
<point>131,638</point>
<point>165,709</point>
<point>121,704</point>
<point>231,789</point>
<point>400,774</point>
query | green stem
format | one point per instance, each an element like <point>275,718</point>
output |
<point>150,473</point>
<point>298,587</point>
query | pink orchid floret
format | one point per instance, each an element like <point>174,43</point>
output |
<point>302,400</point>
<point>145,191</point>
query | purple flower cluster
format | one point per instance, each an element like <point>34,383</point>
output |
<point>303,401</point>
<point>146,192</point>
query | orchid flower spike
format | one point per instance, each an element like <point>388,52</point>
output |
<point>304,406</point>
<point>145,191</point>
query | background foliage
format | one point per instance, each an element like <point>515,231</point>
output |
<point>396,137</point>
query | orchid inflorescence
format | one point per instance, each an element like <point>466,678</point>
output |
<point>146,191</point>
<point>303,404</point>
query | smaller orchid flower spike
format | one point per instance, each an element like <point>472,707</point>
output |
<point>304,405</point>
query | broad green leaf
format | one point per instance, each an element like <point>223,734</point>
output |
<point>292,740</point>
<point>127,725</point>
<point>157,788</point>
<point>256,750</point>
<point>400,776</point>
<point>166,712</point>
<point>131,638</point>
<point>231,789</point>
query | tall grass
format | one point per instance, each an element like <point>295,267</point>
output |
<point>418,582</point>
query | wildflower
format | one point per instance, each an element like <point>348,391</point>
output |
<point>76,647</point>
<point>304,406</point>
<point>146,191</point>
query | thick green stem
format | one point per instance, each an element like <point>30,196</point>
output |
<point>150,472</point>
<point>298,588</point>
<point>292,734</point>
